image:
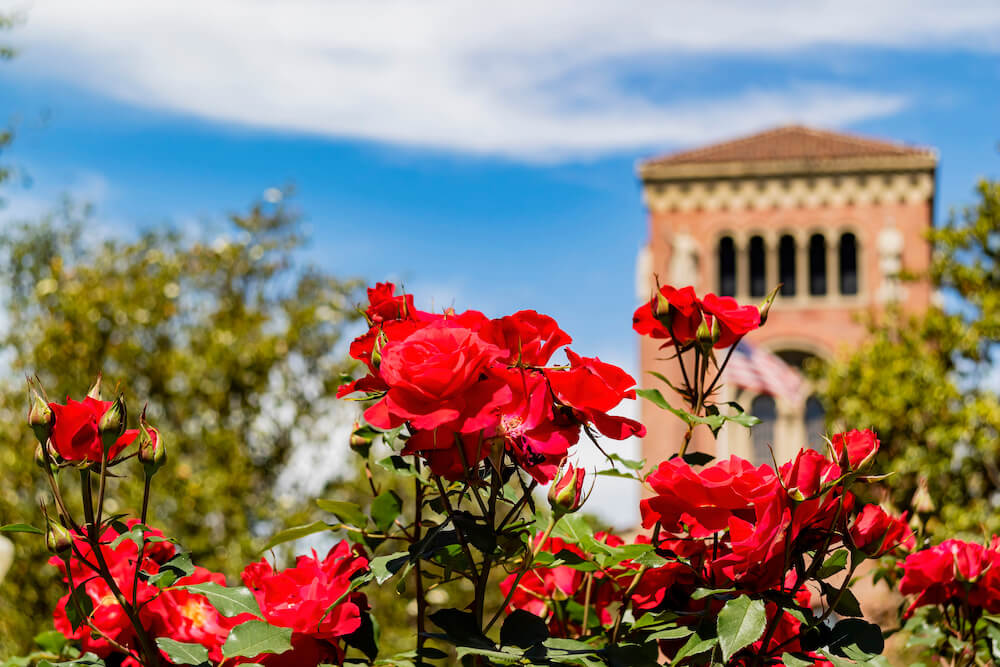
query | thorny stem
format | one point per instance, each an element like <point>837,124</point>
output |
<point>586,601</point>
<point>625,602</point>
<point>525,568</point>
<point>142,548</point>
<point>417,530</point>
<point>458,529</point>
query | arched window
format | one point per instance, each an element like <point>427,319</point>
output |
<point>762,435</point>
<point>786,265</point>
<point>817,265</point>
<point>815,423</point>
<point>727,266</point>
<point>758,279</point>
<point>848,264</point>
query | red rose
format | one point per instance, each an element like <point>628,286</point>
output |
<point>954,571</point>
<point>593,388</point>
<point>536,436</point>
<point>528,338</point>
<point>385,305</point>
<point>809,474</point>
<point>861,447</point>
<point>704,501</point>
<point>684,315</point>
<point>74,431</point>
<point>876,532</point>
<point>734,320</point>
<point>435,378</point>
<point>313,598</point>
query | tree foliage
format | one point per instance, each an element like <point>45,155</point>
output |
<point>922,381</point>
<point>234,347</point>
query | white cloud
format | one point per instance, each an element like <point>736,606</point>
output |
<point>523,79</point>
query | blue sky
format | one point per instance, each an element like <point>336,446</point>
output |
<point>484,154</point>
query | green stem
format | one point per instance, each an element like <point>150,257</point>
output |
<point>421,599</point>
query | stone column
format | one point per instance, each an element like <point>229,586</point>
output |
<point>802,267</point>
<point>832,264</point>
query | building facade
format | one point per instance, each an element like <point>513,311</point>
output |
<point>834,218</point>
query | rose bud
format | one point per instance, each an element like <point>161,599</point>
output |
<point>53,458</point>
<point>855,449</point>
<point>58,540</point>
<point>361,439</point>
<point>566,491</point>
<point>152,452</point>
<point>39,414</point>
<point>765,307</point>
<point>95,389</point>
<point>876,532</point>
<point>922,503</point>
<point>111,425</point>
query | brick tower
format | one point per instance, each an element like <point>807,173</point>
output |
<point>834,217</point>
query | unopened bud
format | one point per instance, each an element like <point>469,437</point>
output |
<point>152,453</point>
<point>566,491</point>
<point>95,389</point>
<point>40,416</point>
<point>704,334</point>
<point>112,423</point>
<point>765,307</point>
<point>361,439</point>
<point>58,540</point>
<point>922,503</point>
<point>380,341</point>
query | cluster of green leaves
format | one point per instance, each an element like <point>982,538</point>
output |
<point>208,333</point>
<point>936,637</point>
<point>919,382</point>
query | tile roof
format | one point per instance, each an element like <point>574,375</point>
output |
<point>791,142</point>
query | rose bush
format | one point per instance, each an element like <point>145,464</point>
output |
<point>735,564</point>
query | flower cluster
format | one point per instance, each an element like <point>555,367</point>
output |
<point>954,572</point>
<point>464,383</point>
<point>173,613</point>
<point>315,598</point>
<point>680,317</point>
<point>740,525</point>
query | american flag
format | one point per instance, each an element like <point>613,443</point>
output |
<point>764,373</point>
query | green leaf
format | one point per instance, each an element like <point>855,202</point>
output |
<point>79,606</point>
<point>698,458</point>
<point>295,533</point>
<point>789,659</point>
<point>854,632</point>
<point>52,641</point>
<point>461,628</point>
<point>695,645</point>
<point>741,623</point>
<point>385,508</point>
<point>181,653</point>
<point>833,564</point>
<point>847,605</point>
<point>678,632</point>
<point>383,567</point>
<point>349,513</point>
<point>21,528</point>
<point>254,638</point>
<point>523,629</point>
<point>631,465</point>
<point>227,601</point>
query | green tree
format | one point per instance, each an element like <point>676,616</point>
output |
<point>920,380</point>
<point>237,350</point>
